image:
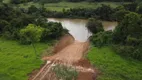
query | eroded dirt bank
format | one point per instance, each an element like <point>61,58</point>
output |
<point>63,42</point>
<point>70,53</point>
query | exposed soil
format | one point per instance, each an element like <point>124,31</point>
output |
<point>63,42</point>
<point>86,76</point>
<point>68,52</point>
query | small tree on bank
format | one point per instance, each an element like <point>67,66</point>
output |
<point>30,35</point>
<point>94,26</point>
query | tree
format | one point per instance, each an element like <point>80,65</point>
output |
<point>128,34</point>
<point>15,1</point>
<point>94,25</point>
<point>3,25</point>
<point>119,15</point>
<point>32,9</point>
<point>104,12</point>
<point>129,26</point>
<point>139,9</point>
<point>30,35</point>
<point>131,7</point>
<point>102,38</point>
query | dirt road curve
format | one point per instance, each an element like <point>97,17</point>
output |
<point>72,55</point>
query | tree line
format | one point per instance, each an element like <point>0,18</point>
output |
<point>55,1</point>
<point>13,20</point>
<point>104,12</point>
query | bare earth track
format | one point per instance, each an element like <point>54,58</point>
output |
<point>70,53</point>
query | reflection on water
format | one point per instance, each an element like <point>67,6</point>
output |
<point>77,27</point>
<point>109,25</point>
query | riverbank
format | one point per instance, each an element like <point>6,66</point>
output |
<point>77,23</point>
<point>72,54</point>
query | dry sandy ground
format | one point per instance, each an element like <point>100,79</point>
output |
<point>70,52</point>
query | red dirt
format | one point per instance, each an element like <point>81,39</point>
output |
<point>84,63</point>
<point>71,54</point>
<point>86,76</point>
<point>69,51</point>
<point>63,42</point>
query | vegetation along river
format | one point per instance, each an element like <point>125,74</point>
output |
<point>77,27</point>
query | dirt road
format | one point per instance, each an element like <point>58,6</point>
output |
<point>71,54</point>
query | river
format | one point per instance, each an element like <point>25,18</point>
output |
<point>77,27</point>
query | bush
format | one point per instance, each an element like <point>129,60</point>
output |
<point>94,26</point>
<point>129,51</point>
<point>65,73</point>
<point>102,38</point>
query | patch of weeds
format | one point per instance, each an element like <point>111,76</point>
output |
<point>65,73</point>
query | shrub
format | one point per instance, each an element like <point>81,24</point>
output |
<point>102,38</point>
<point>65,73</point>
<point>129,51</point>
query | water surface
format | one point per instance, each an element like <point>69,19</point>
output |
<point>77,27</point>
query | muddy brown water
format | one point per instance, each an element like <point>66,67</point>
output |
<point>77,27</point>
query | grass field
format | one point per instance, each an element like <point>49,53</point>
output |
<point>67,5</point>
<point>114,67</point>
<point>16,60</point>
<point>6,1</point>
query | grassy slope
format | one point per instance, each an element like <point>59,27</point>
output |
<point>66,5</point>
<point>114,67</point>
<point>16,60</point>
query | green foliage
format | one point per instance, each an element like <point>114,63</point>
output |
<point>65,73</point>
<point>94,25</point>
<point>131,7</point>
<point>129,35</point>
<point>129,51</point>
<point>139,9</point>
<point>104,12</point>
<point>114,67</point>
<point>30,34</point>
<point>102,39</point>
<point>129,26</point>
<point>3,25</point>
<point>119,15</point>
